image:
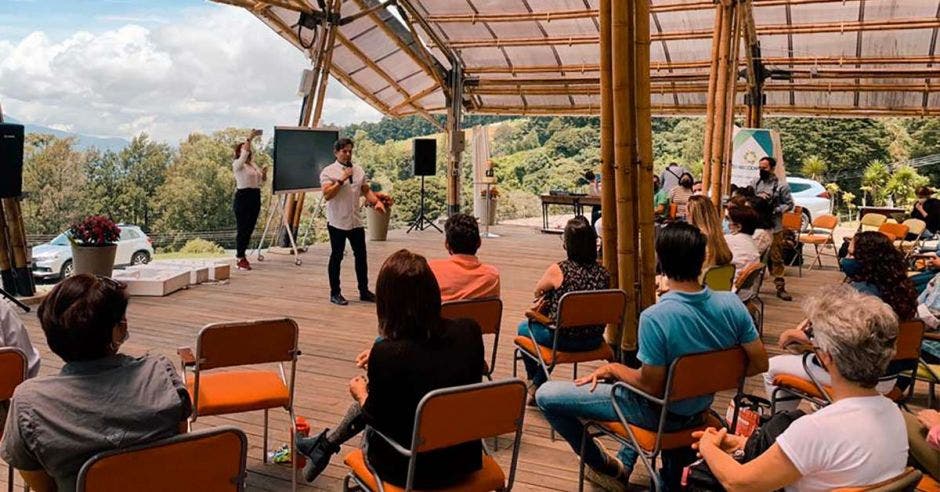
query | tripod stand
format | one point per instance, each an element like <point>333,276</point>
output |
<point>422,221</point>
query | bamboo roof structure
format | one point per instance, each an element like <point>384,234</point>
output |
<point>541,57</point>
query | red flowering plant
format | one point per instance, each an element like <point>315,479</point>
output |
<point>96,230</point>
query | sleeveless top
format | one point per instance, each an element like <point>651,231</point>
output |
<point>577,277</point>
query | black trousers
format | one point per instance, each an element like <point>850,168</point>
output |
<point>357,239</point>
<point>247,206</point>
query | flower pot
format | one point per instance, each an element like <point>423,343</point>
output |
<point>377,224</point>
<point>486,208</point>
<point>96,260</point>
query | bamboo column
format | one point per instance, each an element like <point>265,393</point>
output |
<point>731,95</point>
<point>644,139</point>
<point>710,100</point>
<point>721,102</point>
<point>608,181</point>
<point>455,139</point>
<point>624,152</point>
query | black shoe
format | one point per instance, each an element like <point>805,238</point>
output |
<point>338,299</point>
<point>318,452</point>
<point>783,294</point>
<point>366,296</point>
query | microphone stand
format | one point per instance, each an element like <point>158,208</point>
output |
<point>14,300</point>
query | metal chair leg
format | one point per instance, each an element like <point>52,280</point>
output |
<point>264,449</point>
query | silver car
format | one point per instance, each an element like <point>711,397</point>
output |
<point>812,196</point>
<point>54,259</point>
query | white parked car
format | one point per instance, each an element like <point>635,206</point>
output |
<point>54,259</point>
<point>810,195</point>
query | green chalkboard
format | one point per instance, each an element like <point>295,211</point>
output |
<point>299,156</point>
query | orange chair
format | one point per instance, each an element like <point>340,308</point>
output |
<point>689,376</point>
<point>907,480</point>
<point>483,410</point>
<point>871,222</point>
<point>821,235</point>
<point>895,232</point>
<point>222,345</point>
<point>488,313</point>
<point>906,358</point>
<point>210,460</point>
<point>793,221</point>
<point>575,310</point>
<point>13,367</point>
<point>719,278</point>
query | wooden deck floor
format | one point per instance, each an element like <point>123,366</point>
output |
<point>331,336</point>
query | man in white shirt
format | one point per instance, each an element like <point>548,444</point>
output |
<point>344,183</point>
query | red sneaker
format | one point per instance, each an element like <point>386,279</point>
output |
<point>243,264</point>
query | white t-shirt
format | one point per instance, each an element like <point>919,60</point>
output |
<point>342,211</point>
<point>246,176</point>
<point>743,251</point>
<point>13,334</point>
<point>853,442</point>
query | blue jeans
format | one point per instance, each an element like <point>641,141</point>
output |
<point>567,406</point>
<point>545,336</point>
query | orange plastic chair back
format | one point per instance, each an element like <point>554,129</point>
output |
<point>707,373</point>
<point>246,342</point>
<point>828,222</point>
<point>894,231</point>
<point>673,210</point>
<point>483,410</point>
<point>591,308</point>
<point>910,336</point>
<point>212,460</point>
<point>749,276</point>
<point>720,277</point>
<point>488,313</point>
<point>792,221</point>
<point>13,367</point>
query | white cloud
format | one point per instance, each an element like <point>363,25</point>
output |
<point>218,67</point>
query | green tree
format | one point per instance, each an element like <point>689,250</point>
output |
<point>55,184</point>
<point>814,168</point>
<point>874,178</point>
<point>925,136</point>
<point>902,185</point>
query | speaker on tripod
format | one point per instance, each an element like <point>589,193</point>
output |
<point>425,164</point>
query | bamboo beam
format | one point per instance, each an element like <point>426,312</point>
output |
<point>736,37</point>
<point>702,88</point>
<point>624,152</point>
<point>719,137</point>
<point>644,136</point>
<point>699,110</point>
<point>710,101</point>
<point>768,30</point>
<point>414,97</point>
<point>418,54</point>
<point>700,64</point>
<point>608,180</point>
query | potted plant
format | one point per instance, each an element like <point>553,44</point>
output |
<point>377,222</point>
<point>489,205</point>
<point>94,243</point>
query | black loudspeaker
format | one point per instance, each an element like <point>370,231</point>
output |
<point>11,160</point>
<point>425,152</point>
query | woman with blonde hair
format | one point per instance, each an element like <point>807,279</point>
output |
<point>704,216</point>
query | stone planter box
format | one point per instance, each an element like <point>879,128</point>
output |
<point>153,281</point>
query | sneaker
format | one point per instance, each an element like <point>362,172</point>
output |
<point>607,482</point>
<point>366,296</point>
<point>338,299</point>
<point>318,452</point>
<point>243,264</point>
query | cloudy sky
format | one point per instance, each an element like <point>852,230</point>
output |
<point>165,67</point>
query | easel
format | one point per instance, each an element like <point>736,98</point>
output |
<point>422,221</point>
<point>278,207</point>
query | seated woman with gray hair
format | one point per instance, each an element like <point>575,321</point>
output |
<point>859,439</point>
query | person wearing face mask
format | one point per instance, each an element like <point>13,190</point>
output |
<point>344,183</point>
<point>927,209</point>
<point>670,176</point>
<point>101,400</point>
<point>742,221</point>
<point>873,266</point>
<point>681,193</point>
<point>777,192</point>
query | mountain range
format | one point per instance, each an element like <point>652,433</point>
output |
<point>83,142</point>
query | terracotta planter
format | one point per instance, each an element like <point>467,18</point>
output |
<point>377,224</point>
<point>482,210</point>
<point>96,260</point>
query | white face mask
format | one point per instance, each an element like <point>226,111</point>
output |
<point>921,200</point>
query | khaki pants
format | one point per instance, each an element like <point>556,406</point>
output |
<point>775,263</point>
<point>927,457</point>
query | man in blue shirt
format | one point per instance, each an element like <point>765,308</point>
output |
<point>688,319</point>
